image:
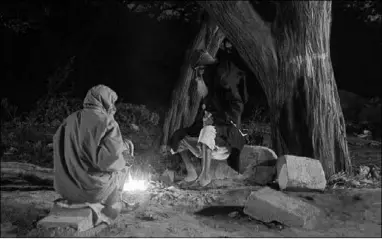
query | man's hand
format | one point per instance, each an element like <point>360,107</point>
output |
<point>128,153</point>
<point>129,159</point>
<point>129,147</point>
<point>207,119</point>
<point>164,150</point>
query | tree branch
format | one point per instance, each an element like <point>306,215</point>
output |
<point>242,25</point>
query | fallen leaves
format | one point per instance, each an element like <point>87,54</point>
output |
<point>366,177</point>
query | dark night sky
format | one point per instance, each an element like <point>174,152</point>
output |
<point>141,58</point>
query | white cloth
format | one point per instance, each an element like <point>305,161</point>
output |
<point>207,136</point>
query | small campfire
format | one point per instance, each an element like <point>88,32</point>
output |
<point>133,184</point>
<point>136,180</point>
<point>136,189</point>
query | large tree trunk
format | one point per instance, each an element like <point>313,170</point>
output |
<point>185,98</point>
<point>291,58</point>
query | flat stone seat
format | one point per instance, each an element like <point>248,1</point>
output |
<point>79,219</point>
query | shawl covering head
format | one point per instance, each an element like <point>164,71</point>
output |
<point>87,149</point>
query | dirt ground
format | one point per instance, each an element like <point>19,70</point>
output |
<point>176,213</point>
<point>172,212</point>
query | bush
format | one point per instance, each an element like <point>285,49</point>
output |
<point>138,124</point>
<point>52,111</point>
<point>129,114</point>
<point>257,127</point>
<point>25,138</point>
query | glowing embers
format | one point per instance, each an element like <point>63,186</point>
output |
<point>135,184</point>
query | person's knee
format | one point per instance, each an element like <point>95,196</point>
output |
<point>207,136</point>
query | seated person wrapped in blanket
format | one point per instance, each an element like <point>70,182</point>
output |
<point>89,165</point>
<point>217,124</point>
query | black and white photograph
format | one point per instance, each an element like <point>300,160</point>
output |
<point>191,119</point>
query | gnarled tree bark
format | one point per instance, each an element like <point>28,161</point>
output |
<point>185,98</point>
<point>291,59</point>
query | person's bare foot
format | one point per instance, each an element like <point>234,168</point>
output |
<point>112,211</point>
<point>191,173</point>
<point>191,176</point>
<point>204,181</point>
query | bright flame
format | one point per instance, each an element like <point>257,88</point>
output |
<point>134,184</point>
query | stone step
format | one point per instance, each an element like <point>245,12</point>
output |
<point>269,205</point>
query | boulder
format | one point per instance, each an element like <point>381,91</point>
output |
<point>259,164</point>
<point>268,205</point>
<point>300,173</point>
<point>262,175</point>
<point>256,155</point>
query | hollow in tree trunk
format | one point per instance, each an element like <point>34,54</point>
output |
<point>291,59</point>
<point>185,99</point>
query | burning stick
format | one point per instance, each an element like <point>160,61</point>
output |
<point>134,184</point>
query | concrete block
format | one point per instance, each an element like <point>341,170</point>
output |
<point>79,219</point>
<point>300,173</point>
<point>269,205</point>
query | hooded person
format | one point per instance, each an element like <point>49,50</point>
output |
<point>89,166</point>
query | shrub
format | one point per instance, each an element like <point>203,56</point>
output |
<point>138,124</point>
<point>52,111</point>
<point>128,114</point>
<point>26,138</point>
<point>256,127</point>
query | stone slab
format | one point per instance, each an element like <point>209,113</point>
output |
<point>79,219</point>
<point>300,173</point>
<point>269,205</point>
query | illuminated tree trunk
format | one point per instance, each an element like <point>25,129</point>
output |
<point>185,99</point>
<point>291,58</point>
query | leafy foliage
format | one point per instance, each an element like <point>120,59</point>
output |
<point>27,138</point>
<point>369,11</point>
<point>165,10</point>
<point>256,127</point>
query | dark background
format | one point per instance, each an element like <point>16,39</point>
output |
<point>139,56</point>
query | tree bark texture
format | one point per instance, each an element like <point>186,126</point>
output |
<point>291,59</point>
<point>185,99</point>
